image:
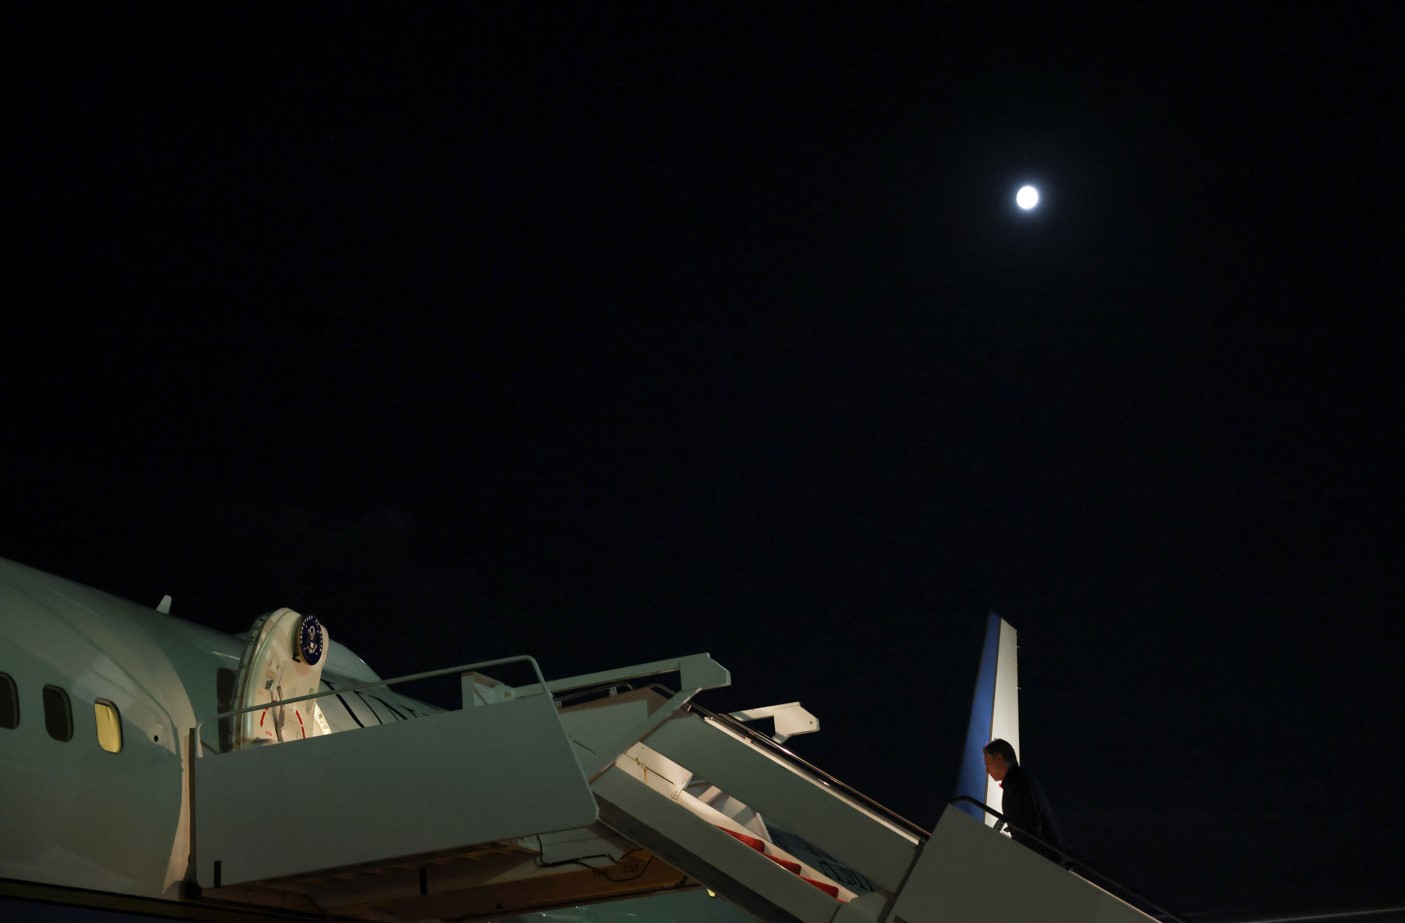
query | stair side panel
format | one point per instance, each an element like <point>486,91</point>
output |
<point>967,871</point>
<point>781,793</point>
<point>431,783</point>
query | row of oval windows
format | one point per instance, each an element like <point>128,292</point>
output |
<point>58,714</point>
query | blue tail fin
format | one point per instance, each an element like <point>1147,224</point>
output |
<point>995,712</point>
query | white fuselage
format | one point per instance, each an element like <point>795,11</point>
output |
<point>76,813</point>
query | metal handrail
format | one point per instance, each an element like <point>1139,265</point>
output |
<point>820,775</point>
<point>565,699</point>
<point>461,670</point>
<point>1069,861</point>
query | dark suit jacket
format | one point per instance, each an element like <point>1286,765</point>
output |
<point>1024,807</point>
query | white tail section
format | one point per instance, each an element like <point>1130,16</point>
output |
<point>995,712</point>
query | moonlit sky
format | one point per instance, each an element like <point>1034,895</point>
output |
<point>617,334</point>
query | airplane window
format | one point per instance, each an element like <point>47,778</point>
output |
<point>9,702</point>
<point>109,726</point>
<point>58,714</point>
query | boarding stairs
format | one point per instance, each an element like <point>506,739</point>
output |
<point>602,787</point>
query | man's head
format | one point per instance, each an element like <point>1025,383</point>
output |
<point>999,757</point>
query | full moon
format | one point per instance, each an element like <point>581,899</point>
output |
<point>1027,197</point>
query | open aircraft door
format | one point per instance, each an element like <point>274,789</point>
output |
<point>283,660</point>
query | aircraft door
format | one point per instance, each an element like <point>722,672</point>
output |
<point>283,660</point>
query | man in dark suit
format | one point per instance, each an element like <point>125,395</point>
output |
<point>1022,802</point>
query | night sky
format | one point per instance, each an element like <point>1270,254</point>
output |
<point>636,331</point>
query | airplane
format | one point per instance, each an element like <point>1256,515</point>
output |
<point>150,765</point>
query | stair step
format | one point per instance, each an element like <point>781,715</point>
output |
<point>790,865</point>
<point>755,842</point>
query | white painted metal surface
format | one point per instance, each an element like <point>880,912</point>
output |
<point>433,783</point>
<point>1005,713</point>
<point>780,792</point>
<point>688,841</point>
<point>790,720</point>
<point>271,672</point>
<point>968,872</point>
<point>61,801</point>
